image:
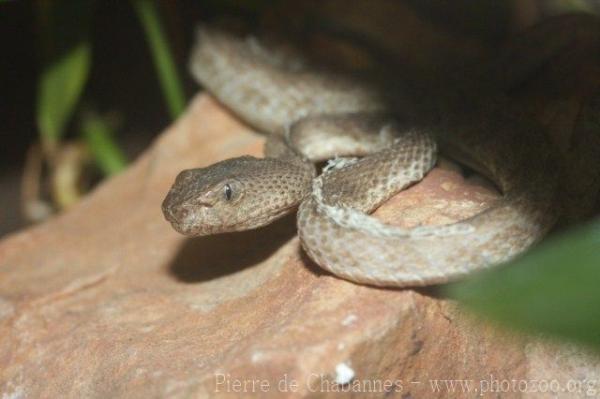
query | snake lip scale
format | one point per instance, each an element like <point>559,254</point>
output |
<point>311,115</point>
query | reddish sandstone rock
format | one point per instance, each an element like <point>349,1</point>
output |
<point>107,300</point>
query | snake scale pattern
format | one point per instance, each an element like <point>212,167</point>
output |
<point>310,115</point>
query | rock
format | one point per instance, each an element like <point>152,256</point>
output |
<point>107,300</point>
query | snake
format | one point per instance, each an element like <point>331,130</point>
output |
<point>374,147</point>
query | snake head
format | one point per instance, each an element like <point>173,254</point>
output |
<point>233,195</point>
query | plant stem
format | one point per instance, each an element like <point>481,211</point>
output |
<point>161,54</point>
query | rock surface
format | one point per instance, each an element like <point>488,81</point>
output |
<point>107,300</point>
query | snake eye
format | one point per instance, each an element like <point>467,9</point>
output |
<point>227,191</point>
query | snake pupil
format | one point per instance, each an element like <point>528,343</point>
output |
<point>228,192</point>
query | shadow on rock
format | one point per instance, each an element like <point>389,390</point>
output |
<point>207,258</point>
<point>311,265</point>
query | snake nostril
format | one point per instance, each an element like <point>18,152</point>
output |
<point>182,212</point>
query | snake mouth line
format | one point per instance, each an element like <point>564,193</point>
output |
<point>194,229</point>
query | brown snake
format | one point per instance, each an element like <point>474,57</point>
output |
<point>312,115</point>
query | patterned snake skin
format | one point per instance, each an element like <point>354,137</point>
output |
<point>313,115</point>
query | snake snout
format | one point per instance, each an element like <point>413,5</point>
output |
<point>174,212</point>
<point>174,209</point>
<point>180,216</point>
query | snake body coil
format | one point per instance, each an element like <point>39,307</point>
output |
<point>312,115</point>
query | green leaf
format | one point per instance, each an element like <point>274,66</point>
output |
<point>60,87</point>
<point>555,289</point>
<point>64,27</point>
<point>163,59</point>
<point>98,136</point>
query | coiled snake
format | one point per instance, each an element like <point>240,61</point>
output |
<point>312,115</point>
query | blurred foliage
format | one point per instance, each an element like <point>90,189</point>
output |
<point>66,51</point>
<point>59,90</point>
<point>64,27</point>
<point>554,289</point>
<point>98,135</point>
<point>66,55</point>
<point>163,60</point>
